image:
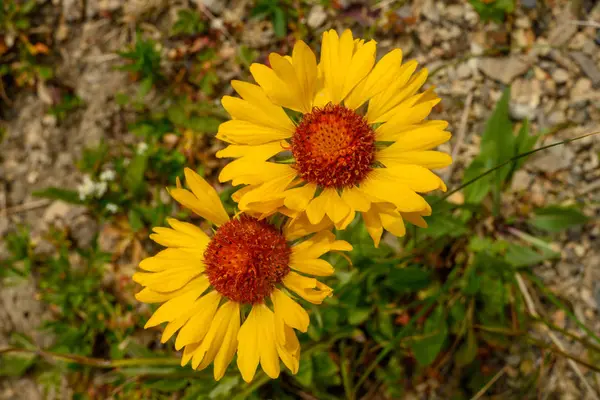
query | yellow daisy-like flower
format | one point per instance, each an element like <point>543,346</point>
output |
<point>208,284</point>
<point>360,142</point>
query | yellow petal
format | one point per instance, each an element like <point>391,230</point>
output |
<point>330,203</point>
<point>269,359</point>
<point>305,64</point>
<point>168,280</point>
<point>196,328</point>
<point>213,340</point>
<point>410,111</point>
<point>174,258</point>
<point>288,346</point>
<point>171,238</point>
<point>397,97</point>
<point>315,267</point>
<point>300,226</point>
<point>355,199</point>
<point>423,136</point>
<point>244,132</point>
<point>229,344</point>
<point>386,188</point>
<point>383,102</point>
<point>173,308</point>
<point>415,177</point>
<point>318,245</point>
<point>390,157</point>
<point>200,238</point>
<point>373,225</point>
<point>255,107</point>
<point>259,152</point>
<point>405,117</point>
<point>148,295</point>
<point>333,74</point>
<point>289,311</point>
<point>248,346</point>
<point>361,64</point>
<point>308,288</point>
<point>299,198</point>
<point>393,224</point>
<point>415,219</point>
<point>251,172</point>
<point>378,80</point>
<point>208,198</point>
<point>269,190</point>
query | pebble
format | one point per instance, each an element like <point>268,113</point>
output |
<point>505,69</point>
<point>587,65</point>
<point>560,75</point>
<point>316,16</point>
<point>520,181</point>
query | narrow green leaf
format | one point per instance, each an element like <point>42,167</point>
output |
<point>408,279</point>
<point>69,196</point>
<point>556,219</point>
<point>134,175</point>
<point>435,331</point>
<point>467,352</point>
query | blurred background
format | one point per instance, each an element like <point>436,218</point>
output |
<point>104,102</point>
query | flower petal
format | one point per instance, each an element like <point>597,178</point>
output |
<point>196,328</point>
<point>292,313</point>
<point>245,132</point>
<point>308,288</point>
<point>391,157</point>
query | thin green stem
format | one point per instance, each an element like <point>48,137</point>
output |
<point>560,305</point>
<point>513,159</point>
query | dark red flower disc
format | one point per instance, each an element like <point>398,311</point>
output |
<point>246,258</point>
<point>333,147</point>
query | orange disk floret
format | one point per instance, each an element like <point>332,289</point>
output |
<point>246,258</point>
<point>333,147</point>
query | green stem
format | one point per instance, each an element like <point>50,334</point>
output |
<point>513,159</point>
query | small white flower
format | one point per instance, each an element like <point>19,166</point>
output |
<point>142,147</point>
<point>86,188</point>
<point>107,175</point>
<point>100,189</point>
<point>112,208</point>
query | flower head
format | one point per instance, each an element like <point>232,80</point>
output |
<point>360,144</point>
<point>208,283</point>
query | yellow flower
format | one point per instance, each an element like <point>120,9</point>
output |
<point>208,284</point>
<point>360,143</point>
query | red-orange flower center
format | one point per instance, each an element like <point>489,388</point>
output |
<point>333,147</point>
<point>246,258</point>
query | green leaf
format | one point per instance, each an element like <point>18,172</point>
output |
<point>69,196</point>
<point>135,220</point>
<point>224,388</point>
<point>167,385</point>
<point>557,219</point>
<point>524,142</point>
<point>522,256</point>
<point>16,364</point>
<point>408,279</point>
<point>435,331</point>
<point>305,371</point>
<point>177,114</point>
<point>134,175</point>
<point>357,316</point>
<point>279,22</point>
<point>467,352</point>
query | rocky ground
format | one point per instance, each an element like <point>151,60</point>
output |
<point>551,57</point>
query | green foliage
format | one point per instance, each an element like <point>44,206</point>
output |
<point>278,11</point>
<point>556,219</point>
<point>68,104</point>
<point>493,10</point>
<point>188,23</point>
<point>15,15</point>
<point>498,144</point>
<point>144,60</point>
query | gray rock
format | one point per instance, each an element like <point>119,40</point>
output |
<point>520,181</point>
<point>552,160</point>
<point>505,69</point>
<point>588,66</point>
<point>562,32</point>
<point>560,75</point>
<point>316,16</point>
